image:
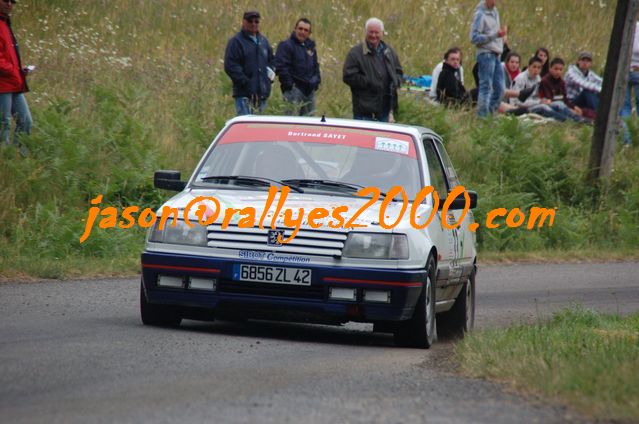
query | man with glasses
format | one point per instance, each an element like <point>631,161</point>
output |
<point>12,81</point>
<point>298,69</point>
<point>248,61</point>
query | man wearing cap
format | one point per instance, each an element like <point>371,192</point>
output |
<point>298,69</point>
<point>248,61</point>
<point>373,72</point>
<point>12,80</point>
<point>583,85</point>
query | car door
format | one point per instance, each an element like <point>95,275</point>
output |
<point>463,239</point>
<point>444,239</point>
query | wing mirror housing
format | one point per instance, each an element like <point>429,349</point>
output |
<point>168,180</point>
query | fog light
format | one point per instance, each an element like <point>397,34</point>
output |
<point>202,283</point>
<point>169,281</point>
<point>341,294</point>
<point>377,296</point>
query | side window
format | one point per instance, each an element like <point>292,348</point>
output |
<point>453,181</point>
<point>437,177</point>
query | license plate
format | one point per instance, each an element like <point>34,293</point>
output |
<point>272,274</point>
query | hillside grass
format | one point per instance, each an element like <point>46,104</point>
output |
<point>580,357</point>
<point>127,87</point>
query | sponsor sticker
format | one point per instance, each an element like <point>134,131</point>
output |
<point>392,145</point>
<point>272,257</point>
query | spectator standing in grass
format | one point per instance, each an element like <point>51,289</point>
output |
<point>450,88</point>
<point>373,72</point>
<point>13,83</point>
<point>298,69</point>
<point>248,61</point>
<point>552,91</point>
<point>487,35</point>
<point>583,85</point>
<point>633,84</point>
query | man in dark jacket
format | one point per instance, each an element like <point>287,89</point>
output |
<point>12,80</point>
<point>248,60</point>
<point>450,90</point>
<point>373,72</point>
<point>298,68</point>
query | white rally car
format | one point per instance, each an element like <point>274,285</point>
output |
<point>368,258</point>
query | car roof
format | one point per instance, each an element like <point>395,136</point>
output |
<point>413,130</point>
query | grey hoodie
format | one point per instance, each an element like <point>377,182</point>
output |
<point>483,32</point>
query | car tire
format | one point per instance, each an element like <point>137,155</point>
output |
<point>460,319</point>
<point>158,315</point>
<point>421,330</point>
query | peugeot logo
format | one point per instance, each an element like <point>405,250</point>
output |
<point>272,237</point>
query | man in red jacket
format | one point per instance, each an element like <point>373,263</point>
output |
<point>12,79</point>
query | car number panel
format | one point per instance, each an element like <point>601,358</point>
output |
<point>272,274</point>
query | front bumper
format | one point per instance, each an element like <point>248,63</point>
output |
<point>279,301</point>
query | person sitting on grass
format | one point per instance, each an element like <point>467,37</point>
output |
<point>450,89</point>
<point>583,85</point>
<point>432,93</point>
<point>511,71</point>
<point>530,80</point>
<point>543,54</point>
<point>553,89</point>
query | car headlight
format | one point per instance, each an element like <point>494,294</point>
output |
<point>376,246</point>
<point>180,234</point>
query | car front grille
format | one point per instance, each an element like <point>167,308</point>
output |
<point>306,242</point>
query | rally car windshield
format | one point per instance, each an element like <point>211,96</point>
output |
<point>323,159</point>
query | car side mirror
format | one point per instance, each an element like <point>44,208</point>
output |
<point>168,180</point>
<point>460,201</point>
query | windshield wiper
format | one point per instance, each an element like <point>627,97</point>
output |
<point>265,182</point>
<point>327,183</point>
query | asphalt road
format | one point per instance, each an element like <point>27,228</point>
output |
<point>76,352</point>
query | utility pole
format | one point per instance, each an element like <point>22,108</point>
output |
<point>613,91</point>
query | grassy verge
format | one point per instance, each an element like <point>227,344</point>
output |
<point>586,359</point>
<point>115,98</point>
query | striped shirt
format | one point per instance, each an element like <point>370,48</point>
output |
<point>576,82</point>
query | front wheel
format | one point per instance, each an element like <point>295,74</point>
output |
<point>420,330</point>
<point>158,315</point>
<point>460,319</point>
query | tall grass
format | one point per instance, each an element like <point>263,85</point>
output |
<point>124,87</point>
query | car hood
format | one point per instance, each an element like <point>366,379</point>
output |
<point>240,199</point>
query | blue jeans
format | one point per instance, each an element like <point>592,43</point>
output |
<point>587,100</point>
<point>566,112</point>
<point>547,112</point>
<point>633,83</point>
<point>299,103</point>
<point>626,110</point>
<point>243,106</point>
<point>14,105</point>
<point>491,84</point>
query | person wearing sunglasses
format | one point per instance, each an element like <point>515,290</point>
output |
<point>13,82</point>
<point>248,61</point>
